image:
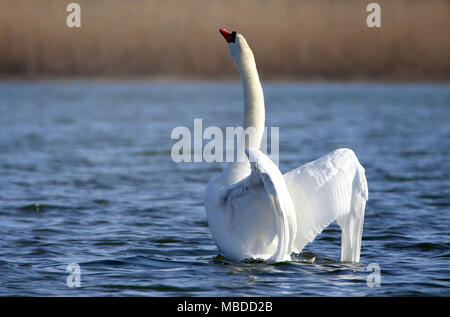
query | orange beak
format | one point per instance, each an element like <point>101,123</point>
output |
<point>229,37</point>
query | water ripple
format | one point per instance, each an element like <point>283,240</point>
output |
<point>87,178</point>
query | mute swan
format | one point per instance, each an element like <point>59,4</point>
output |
<point>254,211</point>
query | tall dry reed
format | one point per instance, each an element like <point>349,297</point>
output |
<point>290,38</point>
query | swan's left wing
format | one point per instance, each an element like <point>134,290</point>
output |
<point>266,180</point>
<point>333,187</point>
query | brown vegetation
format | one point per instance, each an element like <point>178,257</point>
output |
<point>290,38</point>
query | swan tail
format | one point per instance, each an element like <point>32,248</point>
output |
<point>352,222</point>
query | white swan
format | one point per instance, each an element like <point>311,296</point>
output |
<point>254,211</point>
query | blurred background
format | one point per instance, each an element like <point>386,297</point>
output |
<point>291,39</point>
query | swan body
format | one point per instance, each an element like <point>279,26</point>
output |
<point>254,211</point>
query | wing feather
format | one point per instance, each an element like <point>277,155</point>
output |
<point>330,188</point>
<point>266,181</point>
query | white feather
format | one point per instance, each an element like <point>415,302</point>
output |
<point>330,188</point>
<point>261,216</point>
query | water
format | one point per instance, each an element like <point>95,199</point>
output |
<point>86,177</point>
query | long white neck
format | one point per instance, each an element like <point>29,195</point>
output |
<point>254,113</point>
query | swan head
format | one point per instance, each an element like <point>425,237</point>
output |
<point>239,49</point>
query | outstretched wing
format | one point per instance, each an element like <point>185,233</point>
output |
<point>333,187</point>
<point>267,183</point>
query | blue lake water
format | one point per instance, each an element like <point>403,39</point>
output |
<point>86,177</point>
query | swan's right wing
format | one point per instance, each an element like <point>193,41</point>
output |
<point>330,188</point>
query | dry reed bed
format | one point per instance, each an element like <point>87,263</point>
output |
<point>290,38</point>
